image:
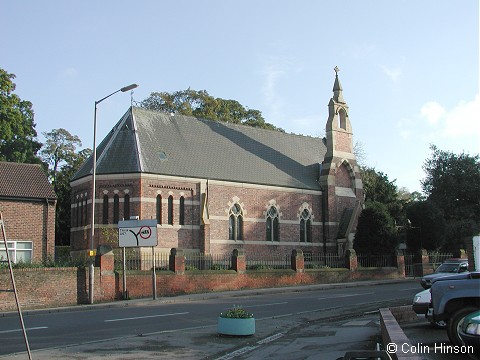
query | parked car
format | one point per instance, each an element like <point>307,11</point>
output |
<point>448,268</point>
<point>421,302</point>
<point>470,331</point>
<point>453,298</point>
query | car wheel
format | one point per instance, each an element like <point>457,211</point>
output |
<point>455,322</point>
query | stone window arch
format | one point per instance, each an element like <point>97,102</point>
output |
<point>272,224</point>
<point>306,226</point>
<point>345,174</point>
<point>235,222</point>
<point>342,119</point>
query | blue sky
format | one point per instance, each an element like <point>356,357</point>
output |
<point>409,69</point>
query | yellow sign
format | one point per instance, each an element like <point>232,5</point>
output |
<point>92,252</point>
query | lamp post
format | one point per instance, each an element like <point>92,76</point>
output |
<point>94,171</point>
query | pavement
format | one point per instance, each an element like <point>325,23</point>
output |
<point>306,336</point>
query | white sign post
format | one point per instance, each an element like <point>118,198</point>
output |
<point>139,233</point>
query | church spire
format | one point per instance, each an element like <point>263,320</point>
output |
<point>337,88</point>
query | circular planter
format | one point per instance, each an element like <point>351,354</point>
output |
<point>236,327</point>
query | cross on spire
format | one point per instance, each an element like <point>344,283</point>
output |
<point>336,70</point>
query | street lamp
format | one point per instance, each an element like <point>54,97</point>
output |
<point>94,171</point>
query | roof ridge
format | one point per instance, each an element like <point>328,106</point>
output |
<point>227,123</point>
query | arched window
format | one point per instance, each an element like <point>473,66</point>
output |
<point>235,223</point>
<point>159,209</point>
<point>170,210</point>
<point>342,119</point>
<point>181,210</point>
<point>126,207</point>
<point>85,212</point>
<point>305,226</point>
<point>78,213</point>
<point>116,207</point>
<point>273,231</point>
<point>105,209</point>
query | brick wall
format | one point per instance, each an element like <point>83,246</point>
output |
<point>31,221</point>
<point>47,288</point>
<point>40,288</point>
<point>254,200</point>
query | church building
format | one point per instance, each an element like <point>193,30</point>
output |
<point>213,186</point>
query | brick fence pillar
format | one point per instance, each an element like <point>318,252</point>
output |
<point>351,260</point>
<point>106,262</point>
<point>470,253</point>
<point>176,261</point>
<point>425,267</point>
<point>461,253</point>
<point>297,261</point>
<point>401,264</point>
<point>239,261</point>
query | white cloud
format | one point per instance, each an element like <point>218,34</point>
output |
<point>393,74</point>
<point>432,112</point>
<point>463,120</point>
<point>274,69</point>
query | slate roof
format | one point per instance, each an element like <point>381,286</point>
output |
<point>27,181</point>
<point>146,141</point>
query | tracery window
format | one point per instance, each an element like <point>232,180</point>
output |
<point>235,222</point>
<point>305,226</point>
<point>272,228</point>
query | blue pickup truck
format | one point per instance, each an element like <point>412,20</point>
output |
<point>453,298</point>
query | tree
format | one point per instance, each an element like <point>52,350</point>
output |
<point>64,193</point>
<point>17,130</point>
<point>58,151</point>
<point>376,232</point>
<point>200,104</point>
<point>452,184</point>
<point>360,154</point>
<point>378,188</point>
<point>427,226</point>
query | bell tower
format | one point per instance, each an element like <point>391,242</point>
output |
<point>340,175</point>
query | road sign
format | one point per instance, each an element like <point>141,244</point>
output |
<point>137,233</point>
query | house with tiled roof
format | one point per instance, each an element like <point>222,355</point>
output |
<point>215,186</point>
<point>27,203</point>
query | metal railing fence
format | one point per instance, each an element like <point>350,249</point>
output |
<point>137,260</point>
<point>200,261</point>
<point>376,261</point>
<point>268,261</point>
<point>324,261</point>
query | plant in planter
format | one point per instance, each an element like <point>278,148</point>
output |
<point>236,322</point>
